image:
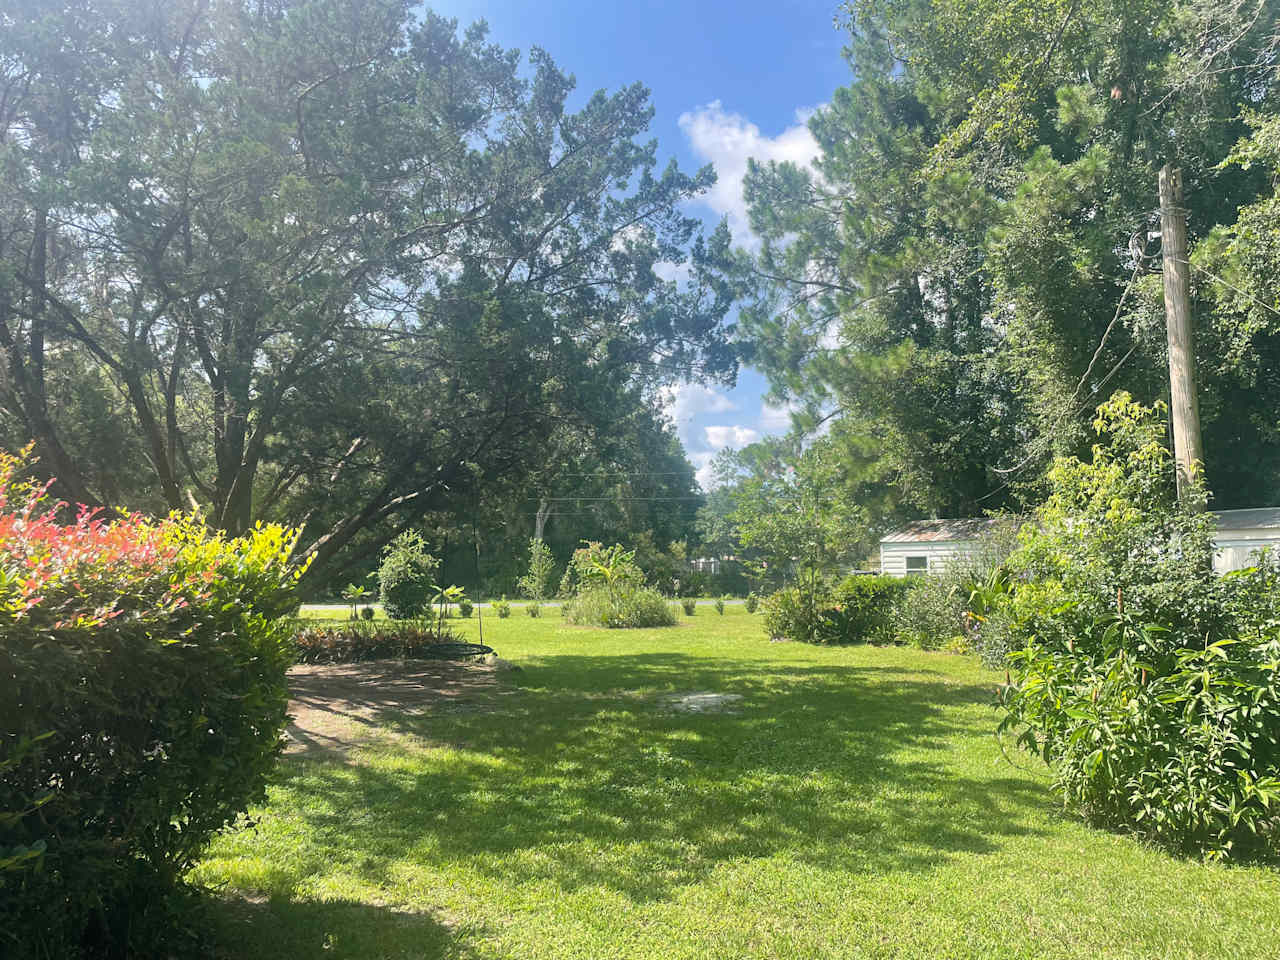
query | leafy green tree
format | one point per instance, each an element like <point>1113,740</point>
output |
<point>790,509</point>
<point>967,266</point>
<point>715,528</point>
<point>332,261</point>
<point>628,482</point>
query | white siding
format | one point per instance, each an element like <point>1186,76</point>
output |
<point>893,556</point>
<point>1237,549</point>
<point>1233,550</point>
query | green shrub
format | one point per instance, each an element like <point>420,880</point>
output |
<point>929,613</point>
<point>958,607</point>
<point>752,602</point>
<point>795,614</point>
<point>355,642</point>
<point>502,608</point>
<point>406,578</point>
<point>594,565</point>
<point>610,592</point>
<point>629,606</point>
<point>863,609</point>
<point>143,666</point>
<point>694,584</point>
<point>465,608</point>
<point>366,613</point>
<point>730,581</point>
<point>533,609</point>
<point>720,605</point>
<point>1149,685</point>
<point>990,617</point>
<point>690,605</point>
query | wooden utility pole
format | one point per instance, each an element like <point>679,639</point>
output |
<point>540,518</point>
<point>1184,410</point>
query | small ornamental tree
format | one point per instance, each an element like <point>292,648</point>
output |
<point>142,698</point>
<point>406,578</point>
<point>795,517</point>
<point>537,581</point>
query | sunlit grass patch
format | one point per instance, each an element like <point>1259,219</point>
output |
<point>855,803</point>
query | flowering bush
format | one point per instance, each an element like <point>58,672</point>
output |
<point>142,696</point>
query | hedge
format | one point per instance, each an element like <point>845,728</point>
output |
<point>863,609</point>
<point>857,610</point>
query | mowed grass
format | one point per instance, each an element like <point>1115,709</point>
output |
<point>857,804</point>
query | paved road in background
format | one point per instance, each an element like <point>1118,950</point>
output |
<point>342,609</point>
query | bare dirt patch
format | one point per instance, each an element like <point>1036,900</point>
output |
<point>332,706</point>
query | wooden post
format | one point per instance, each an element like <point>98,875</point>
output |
<point>1184,409</point>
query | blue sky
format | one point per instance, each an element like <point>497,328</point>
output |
<point>729,81</point>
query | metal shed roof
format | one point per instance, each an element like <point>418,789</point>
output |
<point>974,528</point>
<point>918,531</point>
<point>1248,519</point>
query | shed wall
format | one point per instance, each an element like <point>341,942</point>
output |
<point>1233,550</point>
<point>1237,549</point>
<point>893,556</point>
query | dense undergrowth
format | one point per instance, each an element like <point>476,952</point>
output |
<point>1149,684</point>
<point>605,588</point>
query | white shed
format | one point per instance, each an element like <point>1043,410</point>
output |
<point>927,546</point>
<point>1242,534</point>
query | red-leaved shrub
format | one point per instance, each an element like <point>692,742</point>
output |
<point>142,697</point>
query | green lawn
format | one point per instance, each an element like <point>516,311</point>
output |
<point>857,805</point>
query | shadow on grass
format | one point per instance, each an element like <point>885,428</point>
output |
<point>333,929</point>
<point>589,781</point>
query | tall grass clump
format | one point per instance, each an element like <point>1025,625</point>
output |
<point>609,591</point>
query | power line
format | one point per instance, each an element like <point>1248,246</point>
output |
<point>1011,472</point>
<point>627,473</point>
<point>1232,287</point>
<point>607,499</point>
<point>1114,320</point>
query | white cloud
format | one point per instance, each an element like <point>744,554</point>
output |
<point>683,405</point>
<point>668,271</point>
<point>634,233</point>
<point>688,400</point>
<point>702,460</point>
<point>775,419</point>
<point>730,436</point>
<point>719,438</point>
<point>728,140</point>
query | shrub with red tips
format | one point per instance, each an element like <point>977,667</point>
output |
<point>142,698</point>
